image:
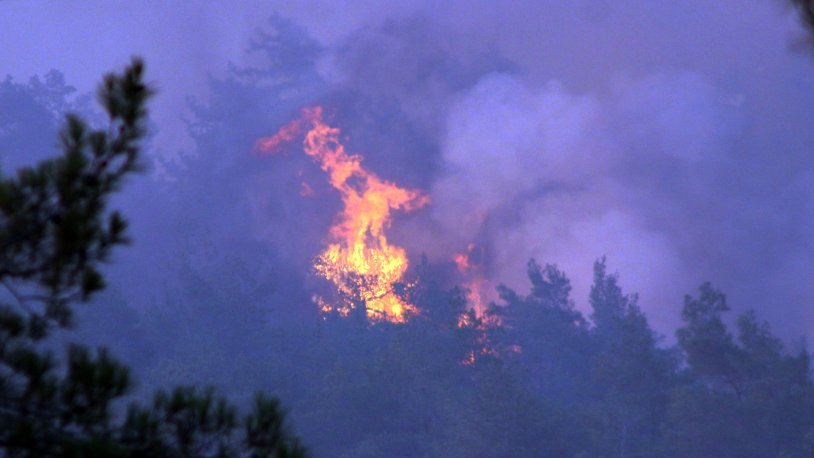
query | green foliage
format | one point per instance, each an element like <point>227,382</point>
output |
<point>55,233</point>
<point>632,375</point>
<point>746,397</point>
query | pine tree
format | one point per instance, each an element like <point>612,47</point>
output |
<point>55,232</point>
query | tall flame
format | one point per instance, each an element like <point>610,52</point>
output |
<point>360,261</point>
<point>470,266</point>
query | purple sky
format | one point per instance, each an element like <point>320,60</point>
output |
<point>673,137</point>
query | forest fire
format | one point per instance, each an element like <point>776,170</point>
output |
<point>470,266</point>
<point>359,261</point>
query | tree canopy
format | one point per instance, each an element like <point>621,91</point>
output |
<point>56,230</point>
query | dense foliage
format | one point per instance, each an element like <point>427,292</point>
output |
<point>548,381</point>
<point>55,231</point>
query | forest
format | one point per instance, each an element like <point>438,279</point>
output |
<point>205,336</point>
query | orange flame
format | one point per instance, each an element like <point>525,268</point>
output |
<point>360,261</point>
<point>271,145</point>
<point>470,266</point>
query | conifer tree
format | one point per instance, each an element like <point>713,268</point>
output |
<point>56,230</point>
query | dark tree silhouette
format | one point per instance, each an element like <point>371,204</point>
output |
<point>55,232</point>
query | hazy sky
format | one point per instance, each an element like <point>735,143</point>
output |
<point>673,137</point>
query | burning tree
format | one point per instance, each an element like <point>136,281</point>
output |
<point>362,264</point>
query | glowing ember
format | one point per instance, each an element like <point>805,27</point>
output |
<point>360,261</point>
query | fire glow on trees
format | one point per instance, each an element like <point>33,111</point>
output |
<point>359,261</point>
<point>470,266</point>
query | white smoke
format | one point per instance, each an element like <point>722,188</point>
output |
<point>553,167</point>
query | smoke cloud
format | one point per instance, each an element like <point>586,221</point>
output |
<point>674,138</point>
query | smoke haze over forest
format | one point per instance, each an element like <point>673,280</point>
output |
<point>672,138</point>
